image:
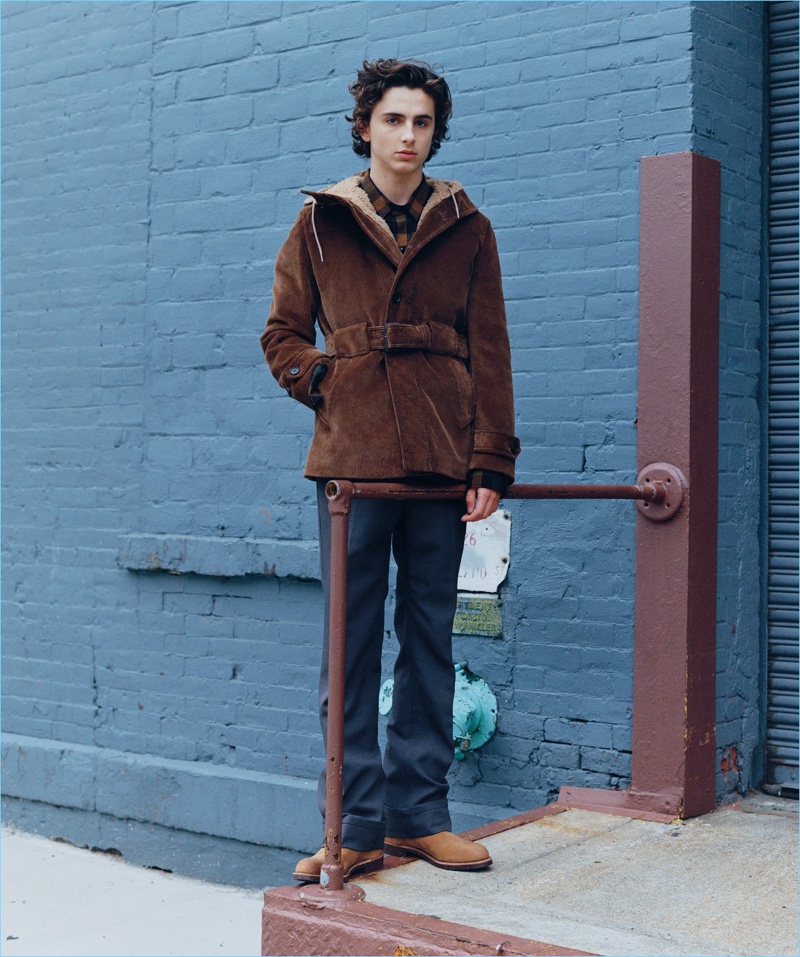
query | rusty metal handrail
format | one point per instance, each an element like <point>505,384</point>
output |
<point>649,492</point>
<point>659,495</point>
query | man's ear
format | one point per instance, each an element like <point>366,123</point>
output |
<point>362,129</point>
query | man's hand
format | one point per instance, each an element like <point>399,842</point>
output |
<point>481,503</point>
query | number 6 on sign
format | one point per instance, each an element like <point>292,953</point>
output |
<point>487,547</point>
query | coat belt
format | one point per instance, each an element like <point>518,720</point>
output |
<point>394,337</point>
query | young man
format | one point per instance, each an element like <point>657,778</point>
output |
<point>402,275</point>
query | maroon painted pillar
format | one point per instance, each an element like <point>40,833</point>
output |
<point>674,670</point>
<point>674,694</point>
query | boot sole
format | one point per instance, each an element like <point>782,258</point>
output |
<point>400,850</point>
<point>367,867</point>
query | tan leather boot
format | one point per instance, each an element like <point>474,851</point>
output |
<point>353,862</point>
<point>445,850</point>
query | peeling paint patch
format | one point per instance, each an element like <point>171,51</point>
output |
<point>729,763</point>
<point>219,557</point>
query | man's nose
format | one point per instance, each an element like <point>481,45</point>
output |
<point>409,133</point>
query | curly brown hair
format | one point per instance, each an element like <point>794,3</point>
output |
<point>375,78</point>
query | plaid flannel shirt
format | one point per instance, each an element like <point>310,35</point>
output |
<point>402,220</point>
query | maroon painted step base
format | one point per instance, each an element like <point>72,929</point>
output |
<point>663,808</point>
<point>293,924</point>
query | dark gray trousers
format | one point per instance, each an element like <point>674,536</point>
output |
<point>405,793</point>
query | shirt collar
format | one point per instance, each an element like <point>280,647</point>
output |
<point>384,207</point>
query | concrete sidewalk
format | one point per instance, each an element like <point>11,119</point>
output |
<point>59,900</point>
<point>723,884</point>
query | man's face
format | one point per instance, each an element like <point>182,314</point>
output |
<point>400,132</point>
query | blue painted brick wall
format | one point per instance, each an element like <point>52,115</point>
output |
<point>76,181</point>
<point>152,157</point>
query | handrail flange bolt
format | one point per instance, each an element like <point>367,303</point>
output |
<point>670,487</point>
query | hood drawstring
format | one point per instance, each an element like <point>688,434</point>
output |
<point>314,227</point>
<point>453,197</point>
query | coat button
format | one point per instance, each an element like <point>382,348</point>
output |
<point>397,297</point>
<point>294,370</point>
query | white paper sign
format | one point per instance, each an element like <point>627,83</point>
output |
<point>487,550</point>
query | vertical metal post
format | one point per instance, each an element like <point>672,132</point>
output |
<point>674,693</point>
<point>674,659</point>
<point>339,497</point>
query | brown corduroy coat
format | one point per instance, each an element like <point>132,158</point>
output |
<point>420,369</point>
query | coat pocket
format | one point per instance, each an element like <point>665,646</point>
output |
<point>466,393</point>
<point>319,393</point>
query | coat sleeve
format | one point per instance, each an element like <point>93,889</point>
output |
<point>495,447</point>
<point>289,338</point>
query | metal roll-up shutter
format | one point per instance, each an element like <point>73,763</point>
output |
<point>782,598</point>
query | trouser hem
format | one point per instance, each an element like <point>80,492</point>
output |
<point>418,821</point>
<point>360,834</point>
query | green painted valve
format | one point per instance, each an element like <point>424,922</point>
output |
<point>474,710</point>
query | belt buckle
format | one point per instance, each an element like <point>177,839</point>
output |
<point>387,347</point>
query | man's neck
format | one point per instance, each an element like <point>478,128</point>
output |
<point>397,189</point>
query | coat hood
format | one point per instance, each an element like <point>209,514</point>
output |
<point>349,192</point>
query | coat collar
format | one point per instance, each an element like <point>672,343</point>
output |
<point>447,204</point>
